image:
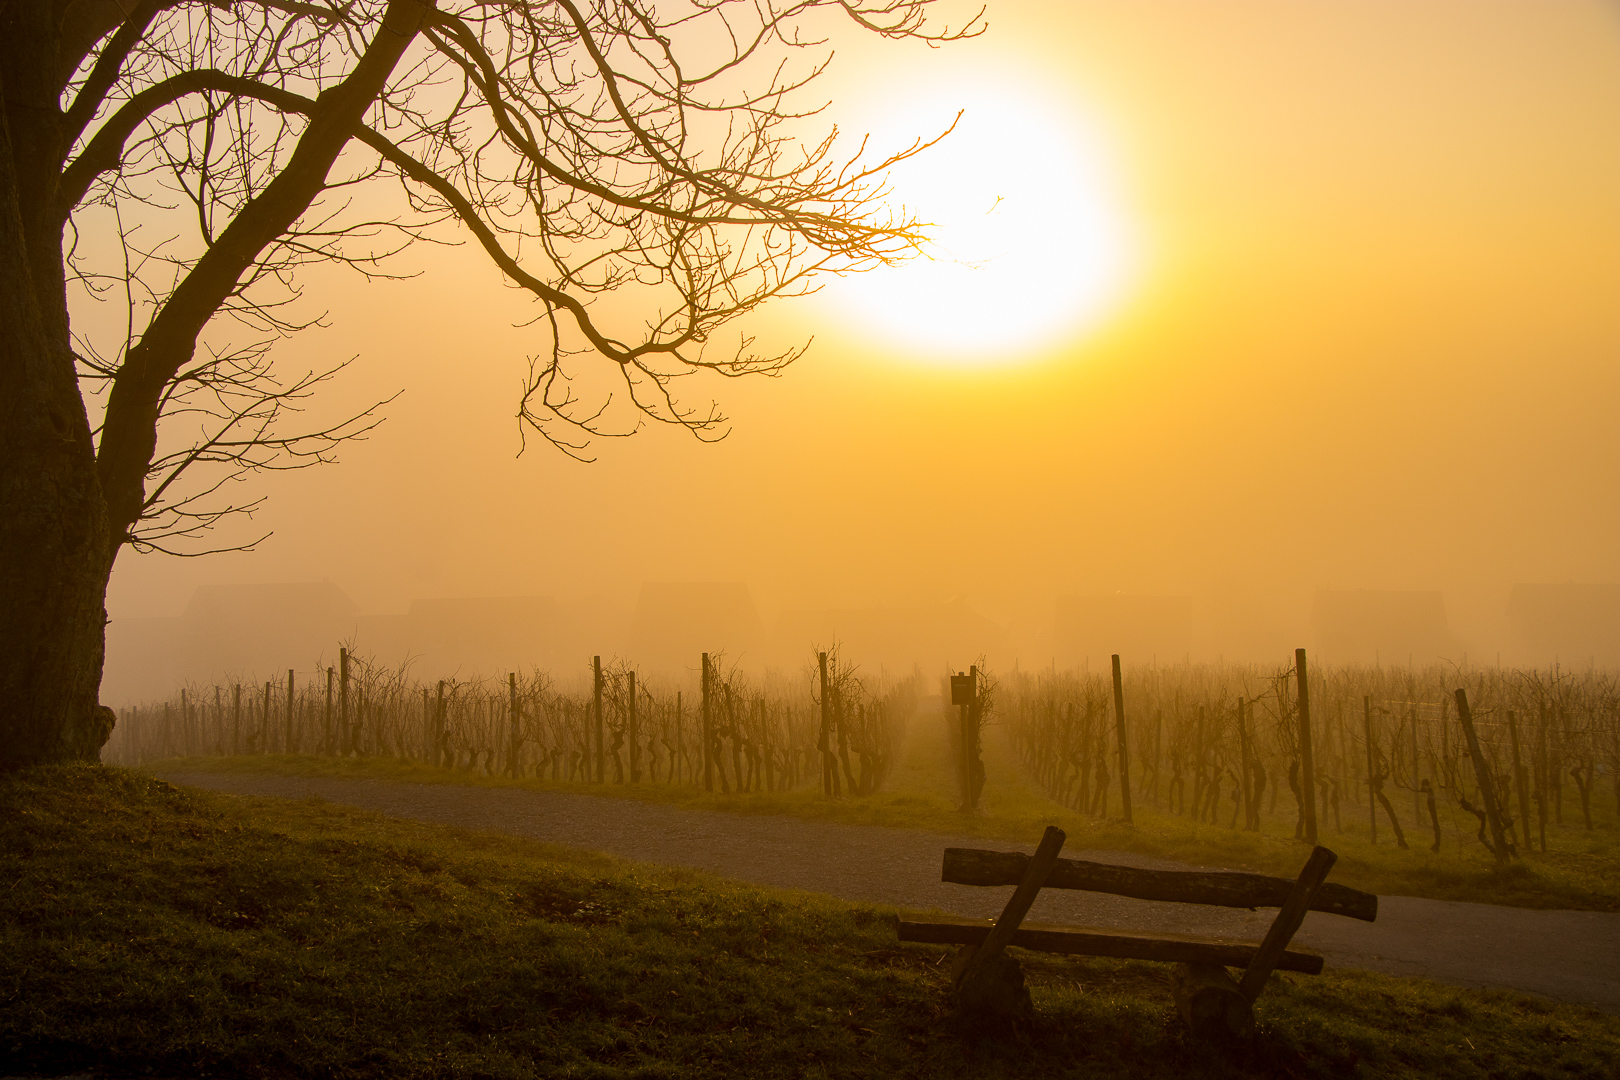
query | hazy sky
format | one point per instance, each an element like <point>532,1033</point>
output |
<point>1325,296</point>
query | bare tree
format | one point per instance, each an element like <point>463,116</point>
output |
<point>653,150</point>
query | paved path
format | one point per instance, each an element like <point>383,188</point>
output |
<point>1567,955</point>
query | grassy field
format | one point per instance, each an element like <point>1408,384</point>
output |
<point>1581,872</point>
<point>152,930</point>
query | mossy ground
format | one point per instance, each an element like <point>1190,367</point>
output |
<point>146,929</point>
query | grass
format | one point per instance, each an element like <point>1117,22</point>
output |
<point>151,929</point>
<point>1582,872</point>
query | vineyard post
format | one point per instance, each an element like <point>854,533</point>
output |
<point>1124,751</point>
<point>343,702</point>
<point>1541,779</point>
<point>236,720</point>
<point>975,760</point>
<point>219,724</point>
<point>963,692</point>
<point>1519,784</point>
<point>264,720</point>
<point>1247,784</point>
<point>635,733</point>
<point>326,717</point>
<point>680,750</point>
<point>1487,794</point>
<point>825,742</point>
<point>513,713</point>
<point>292,744</point>
<point>1158,745</point>
<point>1372,803</point>
<point>596,692</point>
<point>708,760</point>
<point>1417,795</point>
<point>429,754</point>
<point>439,756</point>
<point>1307,760</point>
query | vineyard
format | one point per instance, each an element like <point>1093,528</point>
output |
<point>725,732</point>
<point>1384,753</point>
<point>1386,749</point>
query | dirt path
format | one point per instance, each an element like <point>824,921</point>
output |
<point>1567,955</point>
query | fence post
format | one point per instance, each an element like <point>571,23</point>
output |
<point>1124,751</point>
<point>1307,760</point>
<point>292,743</point>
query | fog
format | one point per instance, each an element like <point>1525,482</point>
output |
<point>1360,397</point>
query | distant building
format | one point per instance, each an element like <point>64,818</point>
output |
<point>1139,628</point>
<point>1570,623</point>
<point>1390,626</point>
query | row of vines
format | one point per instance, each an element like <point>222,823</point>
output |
<point>719,727</point>
<point>1221,744</point>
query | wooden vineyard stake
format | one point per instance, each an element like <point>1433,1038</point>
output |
<point>825,742</point>
<point>292,744</point>
<point>515,736</point>
<point>635,734</point>
<point>429,753</point>
<point>1124,752</point>
<point>326,716</point>
<point>1307,761</point>
<point>596,714</point>
<point>439,748</point>
<point>708,728</point>
<point>1520,786</point>
<point>1372,803</point>
<point>1487,794</point>
<point>1417,784</point>
<point>343,703</point>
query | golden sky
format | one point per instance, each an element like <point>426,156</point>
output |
<point>1363,332</point>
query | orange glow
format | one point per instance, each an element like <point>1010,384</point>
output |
<point>1032,244</point>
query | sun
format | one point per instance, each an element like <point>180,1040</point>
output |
<point>1031,245</point>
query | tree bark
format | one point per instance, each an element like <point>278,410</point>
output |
<point>67,505</point>
<point>54,552</point>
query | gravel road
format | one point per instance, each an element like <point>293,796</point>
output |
<point>1566,955</point>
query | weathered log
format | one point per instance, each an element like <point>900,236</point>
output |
<point>1210,1002</point>
<point>1078,941</point>
<point>972,866</point>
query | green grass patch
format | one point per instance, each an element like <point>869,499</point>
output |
<point>1582,872</point>
<point>147,928</point>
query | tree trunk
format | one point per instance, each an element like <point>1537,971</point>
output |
<point>55,554</point>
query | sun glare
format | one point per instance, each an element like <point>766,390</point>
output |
<point>1030,248</point>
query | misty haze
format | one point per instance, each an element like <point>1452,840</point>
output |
<point>849,539</point>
